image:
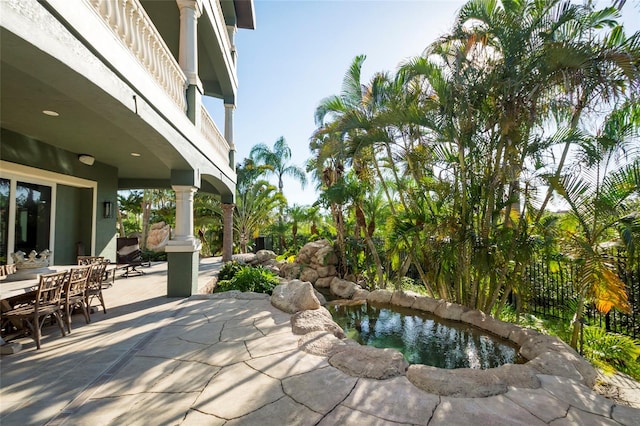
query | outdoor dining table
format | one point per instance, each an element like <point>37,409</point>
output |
<point>12,290</point>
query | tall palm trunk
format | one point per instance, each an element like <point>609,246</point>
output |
<point>577,321</point>
<point>360,217</point>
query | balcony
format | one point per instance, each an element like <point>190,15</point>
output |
<point>130,22</point>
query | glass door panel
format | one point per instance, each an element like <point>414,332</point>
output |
<point>33,217</point>
<point>5,186</point>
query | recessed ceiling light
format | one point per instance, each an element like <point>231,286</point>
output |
<point>50,113</point>
<point>135,154</point>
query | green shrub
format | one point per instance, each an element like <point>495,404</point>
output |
<point>229,270</point>
<point>258,280</point>
<point>611,351</point>
<point>154,256</point>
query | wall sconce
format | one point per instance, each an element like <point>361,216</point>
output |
<point>107,209</point>
<point>86,159</point>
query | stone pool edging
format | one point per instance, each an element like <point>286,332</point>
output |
<point>544,354</point>
<point>320,335</point>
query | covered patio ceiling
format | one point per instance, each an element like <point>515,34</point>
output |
<point>90,121</point>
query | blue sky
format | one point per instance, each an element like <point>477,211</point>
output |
<point>300,50</point>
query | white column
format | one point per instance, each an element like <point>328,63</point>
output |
<point>228,132</point>
<point>190,11</point>
<point>227,231</point>
<point>231,31</point>
<point>183,239</point>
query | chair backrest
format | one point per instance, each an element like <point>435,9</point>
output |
<point>50,288</point>
<point>77,280</point>
<point>128,250</point>
<point>96,276</point>
<point>89,260</point>
<point>7,269</point>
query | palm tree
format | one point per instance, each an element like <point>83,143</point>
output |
<point>277,162</point>
<point>601,204</point>
<point>207,221</point>
<point>296,215</point>
<point>256,199</point>
<point>346,114</point>
<point>488,88</point>
<point>129,206</point>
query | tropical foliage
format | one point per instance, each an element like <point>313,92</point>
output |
<point>248,278</point>
<point>523,105</point>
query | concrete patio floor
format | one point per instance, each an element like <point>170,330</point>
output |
<point>215,359</point>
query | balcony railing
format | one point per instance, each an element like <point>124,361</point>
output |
<point>225,34</point>
<point>128,19</point>
<point>211,133</point>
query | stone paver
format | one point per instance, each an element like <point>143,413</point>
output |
<point>233,360</point>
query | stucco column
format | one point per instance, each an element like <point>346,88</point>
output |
<point>190,11</point>
<point>184,213</point>
<point>183,250</point>
<point>228,132</point>
<point>227,232</point>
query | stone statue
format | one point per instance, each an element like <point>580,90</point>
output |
<point>33,261</point>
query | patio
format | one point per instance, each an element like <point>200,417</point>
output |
<point>234,360</point>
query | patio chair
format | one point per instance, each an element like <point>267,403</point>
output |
<point>74,293</point>
<point>129,256</point>
<point>89,260</point>
<point>109,273</point>
<point>46,304</point>
<point>95,284</point>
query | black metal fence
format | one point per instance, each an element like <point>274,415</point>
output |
<point>552,294</point>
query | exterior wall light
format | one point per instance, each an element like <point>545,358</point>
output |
<point>86,159</point>
<point>107,209</point>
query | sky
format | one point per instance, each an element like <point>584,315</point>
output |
<point>298,55</point>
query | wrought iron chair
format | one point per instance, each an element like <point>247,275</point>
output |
<point>46,304</point>
<point>89,260</point>
<point>74,293</point>
<point>95,285</point>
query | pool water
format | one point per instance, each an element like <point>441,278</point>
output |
<point>424,338</point>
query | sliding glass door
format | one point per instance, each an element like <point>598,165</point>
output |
<point>33,217</point>
<point>5,187</point>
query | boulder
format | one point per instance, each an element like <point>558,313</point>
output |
<point>369,362</point>
<point>315,320</point>
<point>553,364</point>
<point>308,251</point>
<point>320,297</point>
<point>326,271</point>
<point>380,296</point>
<point>290,271</point>
<point>261,258</point>
<point>520,335</point>
<point>323,282</point>
<point>460,382</point>
<point>426,304</point>
<point>158,236</point>
<point>486,322</point>
<point>541,343</point>
<point>403,298</point>
<point>343,288</point>
<point>294,296</point>
<point>518,375</point>
<point>309,274</point>
<point>451,311</point>
<point>323,343</point>
<point>325,256</point>
<point>360,294</point>
<point>550,355</point>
